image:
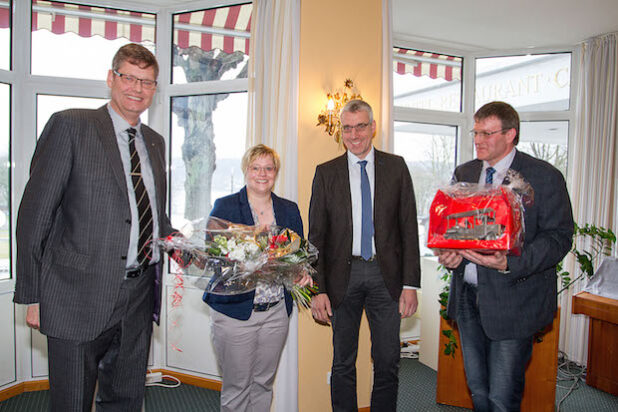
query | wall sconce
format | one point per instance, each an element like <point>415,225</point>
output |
<point>329,118</point>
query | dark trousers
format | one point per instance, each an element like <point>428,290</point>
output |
<point>495,369</point>
<point>117,358</point>
<point>366,290</point>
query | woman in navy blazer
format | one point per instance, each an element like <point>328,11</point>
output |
<point>249,330</point>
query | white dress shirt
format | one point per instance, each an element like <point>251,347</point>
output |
<point>122,138</point>
<point>354,170</point>
<point>502,167</point>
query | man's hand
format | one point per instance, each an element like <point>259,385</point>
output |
<point>320,308</point>
<point>450,259</point>
<point>32,316</point>
<point>408,303</point>
<point>496,260</point>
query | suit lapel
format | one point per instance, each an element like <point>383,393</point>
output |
<point>245,208</point>
<point>381,181</point>
<point>472,173</point>
<point>107,137</point>
<point>342,187</point>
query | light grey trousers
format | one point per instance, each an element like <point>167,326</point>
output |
<point>248,354</point>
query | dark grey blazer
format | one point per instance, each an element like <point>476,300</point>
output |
<point>74,222</point>
<point>522,302</point>
<point>394,216</point>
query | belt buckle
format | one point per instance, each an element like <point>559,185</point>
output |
<point>263,307</point>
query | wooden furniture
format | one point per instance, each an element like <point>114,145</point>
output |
<point>602,368</point>
<point>540,390</point>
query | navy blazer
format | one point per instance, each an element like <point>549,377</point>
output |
<point>517,304</point>
<point>235,208</point>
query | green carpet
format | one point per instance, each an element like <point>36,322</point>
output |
<point>417,392</point>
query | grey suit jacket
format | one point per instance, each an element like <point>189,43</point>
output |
<point>394,216</point>
<point>74,222</point>
<point>518,304</point>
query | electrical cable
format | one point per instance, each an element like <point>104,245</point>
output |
<point>162,384</point>
<point>568,371</point>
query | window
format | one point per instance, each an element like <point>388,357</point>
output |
<point>211,44</point>
<point>70,40</point>
<point>208,140</point>
<point>538,87</point>
<point>540,82</point>
<point>5,34</point>
<point>429,151</point>
<point>427,90</point>
<point>210,51</point>
<point>47,105</point>
<point>546,141</point>
<point>5,181</point>
<point>426,80</point>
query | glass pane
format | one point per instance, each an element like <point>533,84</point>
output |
<point>530,83</point>
<point>208,140</point>
<point>5,34</point>
<point>547,141</point>
<point>430,151</point>
<point>5,181</point>
<point>46,105</point>
<point>426,80</point>
<point>80,41</point>
<point>211,44</point>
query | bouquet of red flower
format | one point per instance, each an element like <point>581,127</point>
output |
<point>236,257</point>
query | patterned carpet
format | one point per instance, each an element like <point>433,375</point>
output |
<point>417,392</point>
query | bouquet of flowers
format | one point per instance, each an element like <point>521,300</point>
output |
<point>236,257</point>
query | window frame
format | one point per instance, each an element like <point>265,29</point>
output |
<point>463,120</point>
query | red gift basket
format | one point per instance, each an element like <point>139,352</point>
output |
<point>471,216</point>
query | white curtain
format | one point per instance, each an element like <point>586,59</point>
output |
<point>273,85</point>
<point>273,121</point>
<point>386,125</point>
<point>594,170</point>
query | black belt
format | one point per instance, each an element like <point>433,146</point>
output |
<point>263,307</point>
<point>136,272</point>
<point>362,259</point>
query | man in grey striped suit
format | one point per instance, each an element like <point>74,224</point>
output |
<point>85,262</point>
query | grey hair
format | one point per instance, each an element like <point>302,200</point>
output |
<point>356,105</point>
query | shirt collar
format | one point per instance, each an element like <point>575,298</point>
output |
<point>353,159</point>
<point>120,124</point>
<point>503,164</point>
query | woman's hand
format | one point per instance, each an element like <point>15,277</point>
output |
<point>304,279</point>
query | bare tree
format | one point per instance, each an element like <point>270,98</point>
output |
<point>195,117</point>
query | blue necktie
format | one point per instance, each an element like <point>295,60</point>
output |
<point>367,219</point>
<point>489,175</point>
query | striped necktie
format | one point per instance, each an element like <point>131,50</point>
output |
<point>489,175</point>
<point>143,203</point>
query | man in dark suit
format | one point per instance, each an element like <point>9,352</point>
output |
<point>85,262</point>
<point>500,301</point>
<point>362,219</point>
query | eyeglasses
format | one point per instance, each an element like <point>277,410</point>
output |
<point>359,127</point>
<point>258,169</point>
<point>474,133</point>
<point>132,80</point>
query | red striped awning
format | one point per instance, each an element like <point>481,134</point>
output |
<point>4,14</point>
<point>433,65</point>
<point>225,28</point>
<point>228,29</point>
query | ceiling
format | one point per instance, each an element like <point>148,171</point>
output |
<point>485,25</point>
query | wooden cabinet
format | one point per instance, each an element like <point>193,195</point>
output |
<point>602,367</point>
<point>540,390</point>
